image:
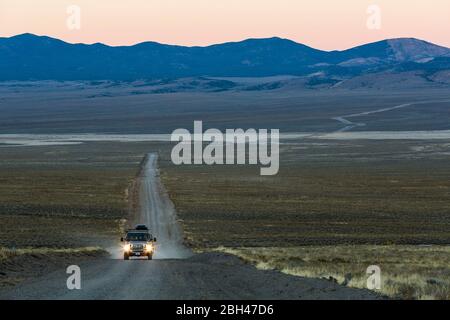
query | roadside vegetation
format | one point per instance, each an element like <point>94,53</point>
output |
<point>64,197</point>
<point>7,253</point>
<point>407,272</point>
<point>335,208</point>
<point>326,193</point>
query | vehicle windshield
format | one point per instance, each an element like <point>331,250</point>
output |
<point>134,236</point>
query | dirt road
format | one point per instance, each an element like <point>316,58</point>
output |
<point>176,273</point>
<point>157,211</point>
<point>349,125</point>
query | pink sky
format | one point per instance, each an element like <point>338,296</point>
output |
<point>323,24</point>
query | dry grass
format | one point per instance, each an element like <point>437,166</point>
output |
<point>335,208</point>
<point>66,196</point>
<point>7,253</point>
<point>407,272</point>
<point>327,192</point>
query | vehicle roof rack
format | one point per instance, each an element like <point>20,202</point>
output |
<point>141,226</point>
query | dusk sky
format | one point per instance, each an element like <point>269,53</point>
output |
<point>323,24</point>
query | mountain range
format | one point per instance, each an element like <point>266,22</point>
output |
<point>31,57</point>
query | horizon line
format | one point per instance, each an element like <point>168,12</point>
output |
<point>215,44</point>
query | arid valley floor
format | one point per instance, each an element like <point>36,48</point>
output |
<point>338,204</point>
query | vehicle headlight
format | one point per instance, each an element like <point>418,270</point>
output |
<point>127,247</point>
<point>149,247</point>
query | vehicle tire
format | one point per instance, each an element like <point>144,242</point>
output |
<point>150,256</point>
<point>126,256</point>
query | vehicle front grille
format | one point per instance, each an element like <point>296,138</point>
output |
<point>137,247</point>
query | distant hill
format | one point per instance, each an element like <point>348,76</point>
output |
<point>31,57</point>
